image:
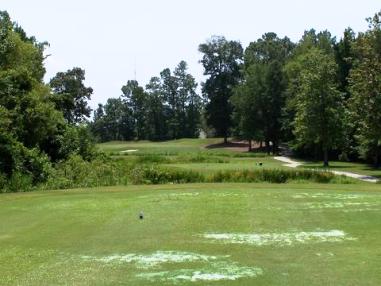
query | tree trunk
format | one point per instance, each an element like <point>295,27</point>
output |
<point>250,149</point>
<point>275,148</point>
<point>326,164</point>
<point>261,145</point>
<point>316,152</point>
<point>267,143</point>
<point>377,158</point>
<point>225,139</point>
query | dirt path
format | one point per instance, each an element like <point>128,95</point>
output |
<point>293,164</point>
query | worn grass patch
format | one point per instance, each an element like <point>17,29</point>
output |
<point>279,239</point>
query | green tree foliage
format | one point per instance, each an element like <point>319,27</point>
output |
<point>261,97</point>
<point>28,116</point>
<point>344,58</point>
<point>319,104</point>
<point>71,95</point>
<point>136,99</point>
<point>157,111</point>
<point>113,121</point>
<point>168,108</point>
<point>169,88</point>
<point>188,103</point>
<point>365,87</point>
<point>221,60</point>
<point>30,125</point>
<point>293,69</point>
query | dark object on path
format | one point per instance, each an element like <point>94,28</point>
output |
<point>141,215</point>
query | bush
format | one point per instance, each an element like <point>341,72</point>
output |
<point>76,172</point>
<point>36,164</point>
<point>76,140</point>
<point>3,181</point>
<point>19,182</point>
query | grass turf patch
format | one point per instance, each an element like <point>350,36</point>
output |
<point>69,237</point>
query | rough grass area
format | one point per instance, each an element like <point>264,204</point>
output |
<point>196,234</point>
<point>194,154</point>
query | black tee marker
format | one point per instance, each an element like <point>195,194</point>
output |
<point>141,215</point>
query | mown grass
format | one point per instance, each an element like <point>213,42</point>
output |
<point>44,235</point>
<point>172,147</point>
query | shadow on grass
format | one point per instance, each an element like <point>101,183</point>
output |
<point>228,145</point>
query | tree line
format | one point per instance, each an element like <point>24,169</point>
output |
<point>167,108</point>
<point>40,124</point>
<point>321,96</point>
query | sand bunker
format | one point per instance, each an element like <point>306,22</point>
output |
<point>279,239</point>
<point>217,271</point>
<point>129,151</point>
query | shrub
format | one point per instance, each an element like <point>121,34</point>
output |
<point>19,182</point>
<point>3,181</point>
<point>76,140</point>
<point>37,164</point>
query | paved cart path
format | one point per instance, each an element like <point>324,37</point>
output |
<point>293,164</point>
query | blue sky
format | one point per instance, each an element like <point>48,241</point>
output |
<point>110,38</point>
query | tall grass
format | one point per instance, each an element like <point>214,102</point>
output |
<point>104,171</point>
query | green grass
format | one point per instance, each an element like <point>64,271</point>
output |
<point>44,236</point>
<point>190,154</point>
<point>80,237</point>
<point>179,154</point>
<point>358,168</point>
<point>172,147</point>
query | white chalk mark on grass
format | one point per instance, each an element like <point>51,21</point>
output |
<point>328,196</point>
<point>154,259</point>
<point>338,205</point>
<point>327,254</point>
<point>215,267</point>
<point>217,271</point>
<point>279,239</point>
<point>223,194</point>
<point>170,196</point>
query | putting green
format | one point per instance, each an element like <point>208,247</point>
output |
<point>201,234</point>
